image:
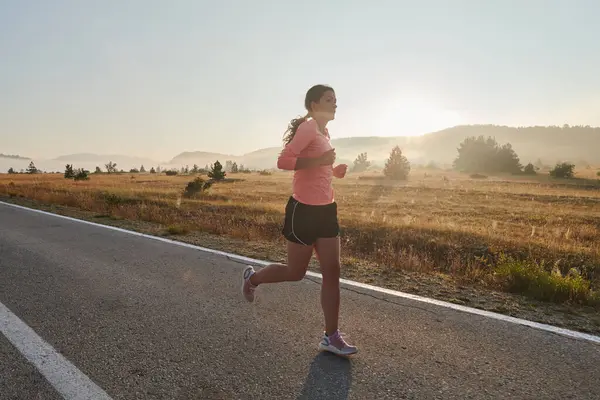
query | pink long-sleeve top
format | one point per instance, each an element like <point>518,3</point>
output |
<point>312,185</point>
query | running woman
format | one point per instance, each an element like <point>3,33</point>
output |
<point>311,220</point>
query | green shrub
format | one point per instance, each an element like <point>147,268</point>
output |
<point>81,175</point>
<point>563,170</point>
<point>529,169</point>
<point>533,280</point>
<point>197,186</point>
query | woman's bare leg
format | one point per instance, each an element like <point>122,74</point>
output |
<point>328,250</point>
<point>298,259</point>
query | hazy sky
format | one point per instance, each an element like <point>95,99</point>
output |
<point>154,78</point>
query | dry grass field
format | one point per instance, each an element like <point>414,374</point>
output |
<point>533,236</point>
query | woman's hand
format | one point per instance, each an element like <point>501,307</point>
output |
<point>340,171</point>
<point>327,158</point>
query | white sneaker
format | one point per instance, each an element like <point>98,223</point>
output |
<point>247,287</point>
<point>337,345</point>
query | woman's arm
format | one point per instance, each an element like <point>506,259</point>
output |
<point>289,158</point>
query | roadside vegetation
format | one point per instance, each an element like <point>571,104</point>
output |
<point>487,220</point>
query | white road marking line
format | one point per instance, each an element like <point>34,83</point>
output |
<point>377,289</point>
<point>68,381</point>
<point>476,311</point>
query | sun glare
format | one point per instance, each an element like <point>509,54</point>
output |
<point>413,118</point>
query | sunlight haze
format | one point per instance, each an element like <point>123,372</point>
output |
<point>154,79</point>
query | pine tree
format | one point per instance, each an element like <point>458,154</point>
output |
<point>397,166</point>
<point>69,172</point>
<point>216,172</point>
<point>361,163</point>
<point>32,168</point>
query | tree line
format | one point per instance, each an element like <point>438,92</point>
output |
<point>476,154</point>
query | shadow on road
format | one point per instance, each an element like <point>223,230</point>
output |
<point>330,377</point>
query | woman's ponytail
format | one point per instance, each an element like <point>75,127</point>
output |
<point>293,127</point>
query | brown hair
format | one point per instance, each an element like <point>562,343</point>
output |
<point>314,94</point>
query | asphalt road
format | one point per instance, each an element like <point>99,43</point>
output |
<point>19,379</point>
<point>146,319</point>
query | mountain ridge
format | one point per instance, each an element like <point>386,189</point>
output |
<point>548,144</point>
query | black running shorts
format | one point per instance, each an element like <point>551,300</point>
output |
<point>304,223</point>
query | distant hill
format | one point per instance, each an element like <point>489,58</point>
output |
<point>346,149</point>
<point>550,144</point>
<point>201,158</point>
<point>14,157</point>
<point>578,144</point>
<point>260,159</point>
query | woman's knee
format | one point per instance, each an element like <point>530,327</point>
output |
<point>331,273</point>
<point>297,274</point>
<point>331,270</point>
<point>298,259</point>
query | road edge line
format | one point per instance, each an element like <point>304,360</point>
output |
<point>247,260</point>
